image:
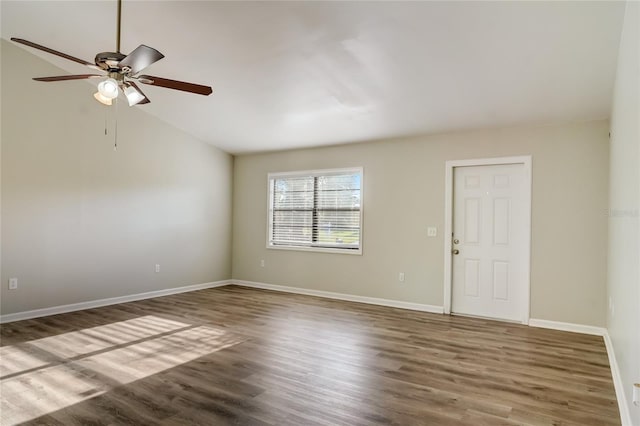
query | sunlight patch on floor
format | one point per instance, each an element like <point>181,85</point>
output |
<point>46,375</point>
<point>34,394</point>
<point>69,345</point>
<point>14,359</point>
<point>144,359</point>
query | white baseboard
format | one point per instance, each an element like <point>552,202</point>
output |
<point>54,310</point>
<point>568,326</point>
<point>341,296</point>
<point>625,414</point>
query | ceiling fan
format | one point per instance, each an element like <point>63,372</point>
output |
<point>122,71</point>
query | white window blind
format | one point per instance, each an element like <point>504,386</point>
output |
<point>316,209</point>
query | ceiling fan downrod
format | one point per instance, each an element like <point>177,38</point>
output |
<point>118,28</point>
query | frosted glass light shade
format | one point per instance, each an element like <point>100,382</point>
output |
<point>102,99</point>
<point>108,88</point>
<point>133,96</point>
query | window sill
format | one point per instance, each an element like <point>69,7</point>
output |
<point>357,252</point>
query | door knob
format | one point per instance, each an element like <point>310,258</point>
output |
<point>456,251</point>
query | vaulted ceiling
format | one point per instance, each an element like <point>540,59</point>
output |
<point>299,74</point>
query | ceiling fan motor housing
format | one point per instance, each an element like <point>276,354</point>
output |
<point>110,61</point>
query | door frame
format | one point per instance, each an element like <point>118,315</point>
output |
<point>525,160</point>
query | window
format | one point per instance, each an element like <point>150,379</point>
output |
<point>316,210</point>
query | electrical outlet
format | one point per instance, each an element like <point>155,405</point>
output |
<point>262,263</point>
<point>157,267</point>
<point>13,283</point>
<point>432,231</point>
<point>401,277</point>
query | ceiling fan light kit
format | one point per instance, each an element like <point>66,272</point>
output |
<point>122,71</point>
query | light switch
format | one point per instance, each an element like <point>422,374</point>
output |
<point>432,231</point>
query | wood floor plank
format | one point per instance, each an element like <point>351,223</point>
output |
<point>240,356</point>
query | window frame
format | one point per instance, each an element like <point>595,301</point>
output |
<point>315,173</point>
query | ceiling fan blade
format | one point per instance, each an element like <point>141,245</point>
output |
<point>67,77</point>
<point>53,52</point>
<point>140,58</point>
<point>135,86</point>
<point>177,85</point>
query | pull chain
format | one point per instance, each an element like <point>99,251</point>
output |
<point>115,136</point>
<point>107,119</point>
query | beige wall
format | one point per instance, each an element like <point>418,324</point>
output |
<point>82,222</point>
<point>404,194</point>
<point>623,319</point>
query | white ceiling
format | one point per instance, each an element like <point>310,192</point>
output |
<point>299,74</point>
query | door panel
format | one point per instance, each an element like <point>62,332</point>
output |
<point>501,215</point>
<point>471,277</point>
<point>500,280</point>
<point>472,208</point>
<point>489,273</point>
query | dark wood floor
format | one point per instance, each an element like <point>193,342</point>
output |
<point>235,355</point>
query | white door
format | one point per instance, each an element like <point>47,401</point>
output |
<point>489,256</point>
